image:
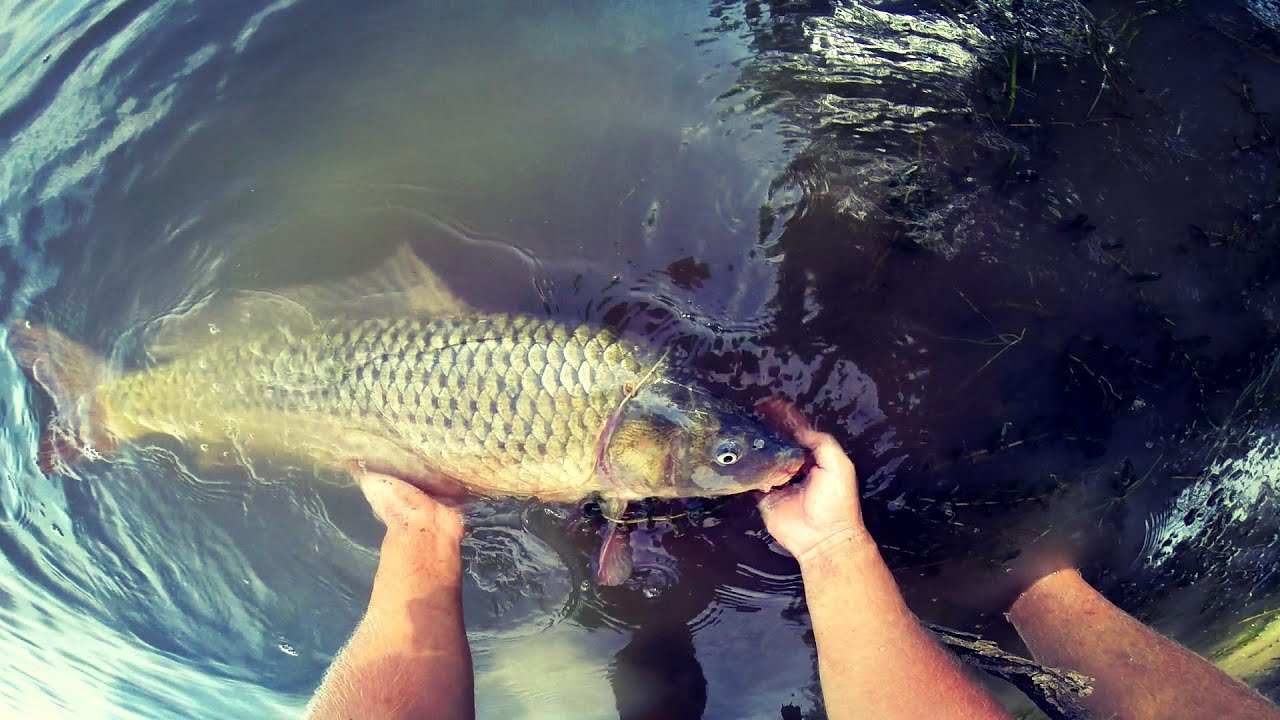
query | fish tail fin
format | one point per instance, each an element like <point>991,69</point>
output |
<point>70,374</point>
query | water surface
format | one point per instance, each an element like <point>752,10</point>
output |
<point>1019,258</point>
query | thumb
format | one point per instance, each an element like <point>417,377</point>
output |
<point>768,502</point>
<point>379,492</point>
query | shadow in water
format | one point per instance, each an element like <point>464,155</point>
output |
<point>657,675</point>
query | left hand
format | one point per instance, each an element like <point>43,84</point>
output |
<point>406,510</point>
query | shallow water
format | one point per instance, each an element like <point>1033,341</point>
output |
<point>1022,263</point>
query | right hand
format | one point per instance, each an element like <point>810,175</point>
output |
<point>823,511</point>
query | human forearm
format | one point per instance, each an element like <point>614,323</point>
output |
<point>1138,673</point>
<point>874,657</point>
<point>409,657</point>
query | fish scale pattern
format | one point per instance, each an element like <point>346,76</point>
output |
<point>513,402</point>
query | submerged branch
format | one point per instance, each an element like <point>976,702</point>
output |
<point>1056,692</point>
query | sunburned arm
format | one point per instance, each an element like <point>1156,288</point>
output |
<point>874,657</point>
<point>1138,674</point>
<point>875,660</point>
<point>408,658</point>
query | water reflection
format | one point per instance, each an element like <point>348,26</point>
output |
<point>657,675</point>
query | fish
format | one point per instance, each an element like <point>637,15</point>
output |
<point>391,372</point>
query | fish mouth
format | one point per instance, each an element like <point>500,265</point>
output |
<point>785,474</point>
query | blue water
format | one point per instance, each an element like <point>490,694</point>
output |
<point>157,150</point>
<point>848,204</point>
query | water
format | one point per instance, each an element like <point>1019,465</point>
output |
<point>1017,256</point>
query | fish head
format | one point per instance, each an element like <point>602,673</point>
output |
<point>678,440</point>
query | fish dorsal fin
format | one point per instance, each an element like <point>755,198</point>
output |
<point>226,316</point>
<point>402,285</point>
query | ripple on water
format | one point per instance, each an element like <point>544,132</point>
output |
<point>166,148</point>
<point>517,584</point>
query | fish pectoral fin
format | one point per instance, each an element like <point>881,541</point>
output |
<point>401,285</point>
<point>614,564</point>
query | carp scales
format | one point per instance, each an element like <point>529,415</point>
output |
<point>392,373</point>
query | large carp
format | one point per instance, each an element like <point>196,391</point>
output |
<point>392,372</point>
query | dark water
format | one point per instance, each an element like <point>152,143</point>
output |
<point>1020,256</point>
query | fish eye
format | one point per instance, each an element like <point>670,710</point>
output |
<point>727,453</point>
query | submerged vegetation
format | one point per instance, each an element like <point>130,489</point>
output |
<point>1026,172</point>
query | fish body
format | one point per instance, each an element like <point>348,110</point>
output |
<point>398,376</point>
<point>393,373</point>
<point>509,404</point>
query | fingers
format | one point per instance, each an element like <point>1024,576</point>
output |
<point>788,419</point>
<point>768,501</point>
<point>785,416</point>
<point>377,494</point>
<point>827,453</point>
<point>781,414</point>
<point>771,504</point>
<point>435,489</point>
<point>387,495</point>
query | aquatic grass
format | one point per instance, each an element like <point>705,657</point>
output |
<point>1013,82</point>
<point>1262,133</point>
<point>1248,44</point>
<point>1127,31</point>
<point>1253,648</point>
<point>1079,35</point>
<point>1002,340</point>
<point>1121,30</point>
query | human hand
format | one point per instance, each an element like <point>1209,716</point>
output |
<point>407,511</point>
<point>409,656</point>
<point>823,511</point>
